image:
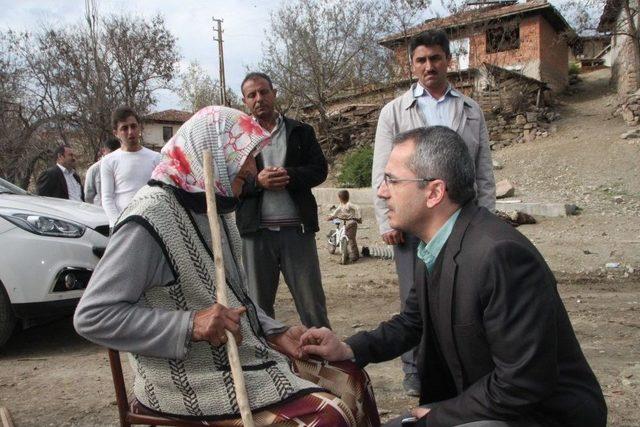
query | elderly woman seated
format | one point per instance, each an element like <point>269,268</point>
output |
<point>153,294</point>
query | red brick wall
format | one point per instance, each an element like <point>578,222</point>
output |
<point>542,54</point>
<point>402,68</point>
<point>525,57</point>
<point>554,67</point>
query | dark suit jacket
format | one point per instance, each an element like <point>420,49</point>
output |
<point>306,166</point>
<point>500,345</point>
<point>51,183</point>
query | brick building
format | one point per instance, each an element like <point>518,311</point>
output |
<point>623,53</point>
<point>529,38</point>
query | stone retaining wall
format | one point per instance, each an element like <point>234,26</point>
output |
<point>524,127</point>
<point>630,109</point>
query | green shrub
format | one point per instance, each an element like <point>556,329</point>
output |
<point>574,68</point>
<point>356,169</point>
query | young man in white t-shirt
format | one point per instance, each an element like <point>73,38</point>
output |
<point>125,171</point>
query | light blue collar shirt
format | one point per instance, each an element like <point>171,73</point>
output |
<point>428,252</point>
<point>436,111</point>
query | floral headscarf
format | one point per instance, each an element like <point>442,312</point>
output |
<point>230,135</point>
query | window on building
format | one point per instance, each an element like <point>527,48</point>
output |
<point>167,132</point>
<point>460,52</point>
<point>500,39</point>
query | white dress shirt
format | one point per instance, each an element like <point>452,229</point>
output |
<point>73,187</point>
<point>436,112</point>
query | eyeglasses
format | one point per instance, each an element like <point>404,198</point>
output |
<point>388,180</point>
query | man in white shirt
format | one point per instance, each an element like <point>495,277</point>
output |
<point>126,170</point>
<point>61,180</point>
<point>92,192</point>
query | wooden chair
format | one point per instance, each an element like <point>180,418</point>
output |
<point>132,412</point>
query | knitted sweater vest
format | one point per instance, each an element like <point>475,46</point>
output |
<point>201,384</point>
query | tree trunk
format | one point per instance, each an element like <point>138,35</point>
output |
<point>24,176</point>
<point>323,123</point>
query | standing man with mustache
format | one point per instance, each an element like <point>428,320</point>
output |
<point>430,101</point>
<point>278,215</point>
<point>61,180</point>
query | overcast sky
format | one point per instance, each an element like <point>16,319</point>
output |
<point>188,20</point>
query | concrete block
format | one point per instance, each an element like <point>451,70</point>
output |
<point>634,133</point>
<point>364,197</point>
<point>538,209</point>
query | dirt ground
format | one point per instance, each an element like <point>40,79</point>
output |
<point>51,377</point>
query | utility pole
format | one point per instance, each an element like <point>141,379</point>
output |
<point>223,86</point>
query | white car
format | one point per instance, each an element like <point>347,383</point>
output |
<point>48,250</point>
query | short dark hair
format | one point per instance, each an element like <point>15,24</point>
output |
<point>255,75</point>
<point>343,195</point>
<point>431,38</point>
<point>441,153</point>
<point>111,144</point>
<point>60,151</point>
<point>120,114</point>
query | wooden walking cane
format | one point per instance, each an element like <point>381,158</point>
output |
<point>5,417</point>
<point>221,289</point>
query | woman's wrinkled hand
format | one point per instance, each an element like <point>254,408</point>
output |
<point>211,324</point>
<point>288,342</point>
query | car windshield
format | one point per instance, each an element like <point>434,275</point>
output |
<point>8,188</point>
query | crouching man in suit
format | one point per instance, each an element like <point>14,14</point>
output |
<point>496,347</point>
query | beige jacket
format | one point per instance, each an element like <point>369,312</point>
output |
<point>402,114</point>
<point>347,211</point>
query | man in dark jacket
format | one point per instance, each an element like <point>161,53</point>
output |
<point>496,347</point>
<point>61,180</point>
<point>278,215</point>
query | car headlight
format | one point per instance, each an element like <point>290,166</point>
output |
<point>44,225</point>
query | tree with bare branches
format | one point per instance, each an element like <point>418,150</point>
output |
<point>315,50</point>
<point>65,81</point>
<point>128,61</point>
<point>198,90</point>
<point>403,15</point>
<point>24,114</point>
